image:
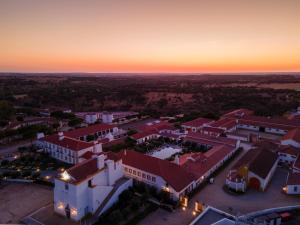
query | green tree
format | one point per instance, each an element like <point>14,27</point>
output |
<point>6,110</point>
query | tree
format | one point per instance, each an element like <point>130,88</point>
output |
<point>6,110</point>
<point>116,217</point>
<point>75,122</point>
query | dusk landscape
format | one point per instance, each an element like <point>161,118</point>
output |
<point>150,112</point>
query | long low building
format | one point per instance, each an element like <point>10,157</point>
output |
<point>162,174</point>
<point>179,177</point>
<point>71,145</point>
<point>67,149</point>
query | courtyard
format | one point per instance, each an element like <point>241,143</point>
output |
<point>214,195</point>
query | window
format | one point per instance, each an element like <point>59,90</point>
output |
<point>90,183</point>
<point>134,172</point>
<point>126,169</point>
<point>148,177</point>
<point>130,170</point>
<point>139,174</point>
<point>66,186</point>
<point>144,175</point>
<point>153,179</point>
<point>295,188</point>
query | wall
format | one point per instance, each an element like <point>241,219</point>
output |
<point>291,142</point>
<point>291,190</point>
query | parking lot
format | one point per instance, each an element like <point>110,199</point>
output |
<point>214,195</point>
<point>18,200</point>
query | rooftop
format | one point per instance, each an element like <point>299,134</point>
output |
<point>292,135</point>
<point>67,142</point>
<point>90,130</point>
<point>173,174</point>
<point>293,179</point>
<point>197,122</point>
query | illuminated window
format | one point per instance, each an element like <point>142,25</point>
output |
<point>130,170</point>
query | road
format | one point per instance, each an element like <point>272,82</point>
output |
<point>9,149</point>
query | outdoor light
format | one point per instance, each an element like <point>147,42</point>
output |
<point>60,205</point>
<point>194,213</point>
<point>74,212</point>
<point>183,208</point>
<point>65,176</point>
<point>37,170</point>
<point>47,177</point>
<point>284,189</point>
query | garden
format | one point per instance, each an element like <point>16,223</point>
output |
<point>135,204</point>
<point>29,165</point>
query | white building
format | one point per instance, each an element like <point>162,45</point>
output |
<point>288,155</point>
<point>91,186</point>
<point>159,173</point>
<point>65,148</point>
<point>253,170</point>
<point>292,138</point>
<point>292,184</point>
<point>91,118</point>
<point>107,117</point>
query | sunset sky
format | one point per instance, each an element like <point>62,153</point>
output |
<point>149,35</point>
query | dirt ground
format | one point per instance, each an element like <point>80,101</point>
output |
<point>18,200</point>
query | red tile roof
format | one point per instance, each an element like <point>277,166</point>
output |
<point>225,123</point>
<point>277,123</point>
<point>83,170</point>
<point>156,127</point>
<point>209,140</point>
<point>293,179</point>
<point>197,122</point>
<point>290,150</point>
<point>212,130</point>
<point>292,135</point>
<point>239,113</point>
<point>90,130</point>
<point>67,142</point>
<point>263,163</point>
<point>173,174</point>
<point>144,134</point>
<point>202,163</point>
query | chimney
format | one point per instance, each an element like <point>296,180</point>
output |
<point>100,161</point>
<point>60,136</point>
<point>97,147</point>
<point>177,159</point>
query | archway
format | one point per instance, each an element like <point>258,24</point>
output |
<point>254,183</point>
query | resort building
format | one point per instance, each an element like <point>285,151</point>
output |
<point>65,148</point>
<point>162,174</point>
<point>197,124</point>
<point>253,170</point>
<point>90,187</point>
<point>292,184</point>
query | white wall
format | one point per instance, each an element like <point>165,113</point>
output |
<point>291,142</point>
<point>293,189</point>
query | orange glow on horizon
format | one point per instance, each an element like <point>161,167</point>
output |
<point>149,36</point>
